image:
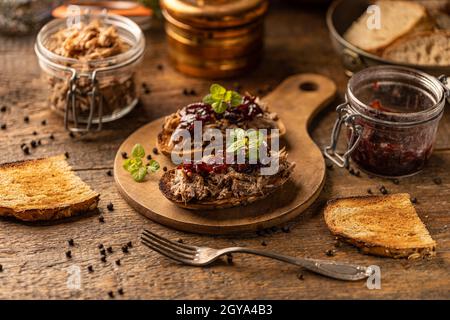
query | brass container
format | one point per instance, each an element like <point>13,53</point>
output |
<point>214,38</point>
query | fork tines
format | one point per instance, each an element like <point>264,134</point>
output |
<point>171,249</point>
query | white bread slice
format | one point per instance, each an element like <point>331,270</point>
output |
<point>43,189</point>
<point>397,18</point>
<point>380,225</point>
<point>426,48</point>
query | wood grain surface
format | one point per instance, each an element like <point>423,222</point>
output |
<point>33,259</point>
<point>296,107</point>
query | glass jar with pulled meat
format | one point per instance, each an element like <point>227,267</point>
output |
<point>392,116</point>
<point>91,68</point>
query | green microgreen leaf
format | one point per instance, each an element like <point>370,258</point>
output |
<point>138,151</point>
<point>220,98</point>
<point>135,165</point>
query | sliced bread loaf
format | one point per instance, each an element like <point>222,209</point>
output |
<point>425,48</point>
<point>397,18</point>
<point>43,189</point>
<point>380,225</point>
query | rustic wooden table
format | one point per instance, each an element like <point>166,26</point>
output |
<point>33,256</point>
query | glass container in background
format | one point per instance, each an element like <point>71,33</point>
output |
<point>22,17</point>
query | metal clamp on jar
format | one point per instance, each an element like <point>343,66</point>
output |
<point>95,89</point>
<point>392,115</point>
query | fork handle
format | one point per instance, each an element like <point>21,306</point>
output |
<point>336,270</point>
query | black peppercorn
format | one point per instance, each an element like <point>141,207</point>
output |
<point>300,276</point>
<point>71,242</point>
<point>101,219</point>
<point>164,168</point>
<point>103,252</point>
<point>3,126</point>
<point>109,249</point>
<point>26,150</point>
<point>120,291</point>
<point>414,200</point>
<point>110,206</point>
<point>124,249</point>
<point>330,252</point>
<point>383,190</point>
<point>69,254</point>
<point>186,92</point>
<point>39,142</point>
<point>180,240</point>
<point>111,294</point>
<point>437,180</point>
<point>66,154</point>
<point>264,244</point>
<point>71,134</point>
<point>193,92</point>
<point>155,150</point>
<point>124,155</point>
<point>109,173</point>
<point>369,191</point>
<point>130,244</point>
<point>33,144</point>
<point>103,258</point>
<point>44,122</point>
<point>149,157</point>
<point>160,67</point>
<point>3,109</point>
<point>52,137</point>
<point>26,119</point>
<point>90,269</point>
<point>1,268</point>
<point>118,262</point>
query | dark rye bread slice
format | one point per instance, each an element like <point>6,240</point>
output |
<point>206,204</point>
<point>43,189</point>
<point>380,225</point>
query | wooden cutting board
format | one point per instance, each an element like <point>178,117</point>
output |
<point>296,100</point>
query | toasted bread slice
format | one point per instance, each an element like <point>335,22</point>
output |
<point>380,225</point>
<point>397,18</point>
<point>43,189</point>
<point>425,48</point>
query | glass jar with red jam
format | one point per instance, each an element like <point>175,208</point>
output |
<point>391,115</point>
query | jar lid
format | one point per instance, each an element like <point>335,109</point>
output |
<point>215,13</point>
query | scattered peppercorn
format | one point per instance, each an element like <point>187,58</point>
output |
<point>103,252</point>
<point>263,243</point>
<point>110,250</point>
<point>26,119</point>
<point>34,133</point>
<point>118,262</point>
<point>110,206</point>
<point>186,92</point>
<point>103,258</point>
<point>90,269</point>
<point>369,191</point>
<point>130,244</point>
<point>111,294</point>
<point>383,190</point>
<point>300,276</point>
<point>124,249</point>
<point>120,291</point>
<point>44,122</point>
<point>100,246</point>
<point>149,157</point>
<point>26,150</point>
<point>164,168</point>
<point>109,173</point>
<point>33,144</point>
<point>330,252</point>
<point>124,155</point>
<point>39,142</point>
<point>193,92</point>
<point>52,137</point>
<point>414,200</point>
<point>180,240</point>
<point>3,109</point>
<point>1,268</point>
<point>285,229</point>
<point>160,67</point>
<point>437,180</point>
<point>229,258</point>
<point>155,150</point>
<point>66,154</point>
<point>3,126</point>
<point>71,242</point>
<point>69,254</point>
<point>101,219</point>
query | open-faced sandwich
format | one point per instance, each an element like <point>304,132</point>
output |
<point>210,185</point>
<point>221,109</point>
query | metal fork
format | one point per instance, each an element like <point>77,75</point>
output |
<point>202,256</point>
